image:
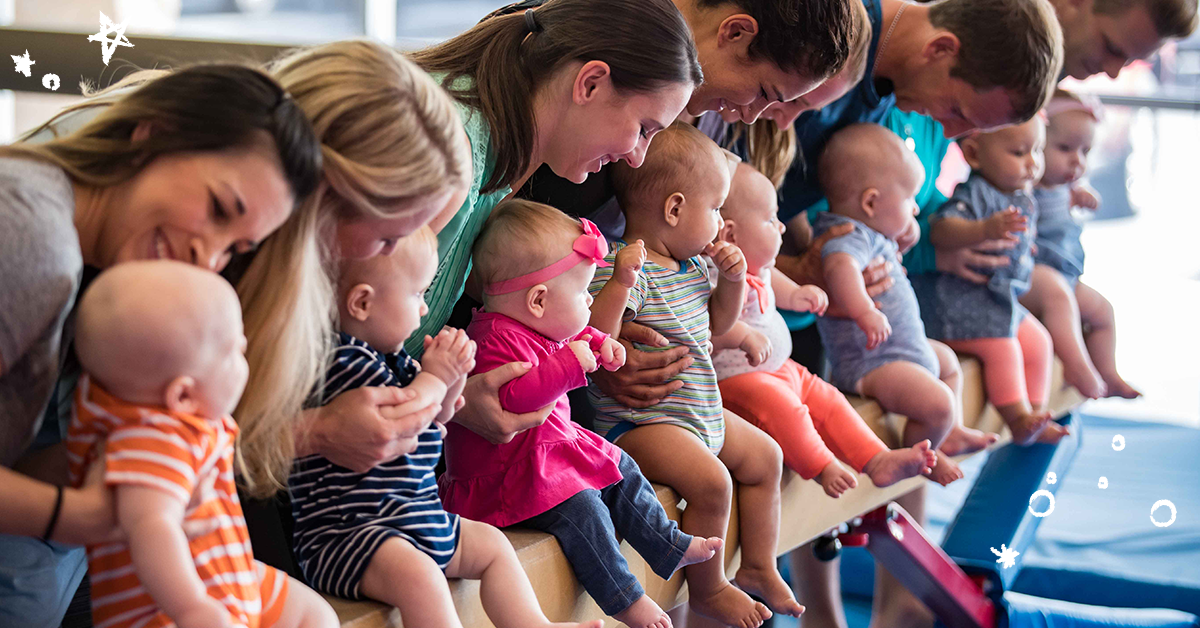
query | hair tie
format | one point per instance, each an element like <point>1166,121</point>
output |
<point>531,23</point>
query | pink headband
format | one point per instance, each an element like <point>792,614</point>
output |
<point>590,247</point>
<point>1087,103</point>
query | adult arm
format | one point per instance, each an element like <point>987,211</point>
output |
<point>482,413</point>
<point>647,376</point>
<point>365,427</point>
<point>86,515</point>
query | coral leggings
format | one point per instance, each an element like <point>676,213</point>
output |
<point>809,418</point>
<point>1014,369</point>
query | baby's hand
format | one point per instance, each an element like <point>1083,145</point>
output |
<point>583,351</point>
<point>809,299</point>
<point>729,260</point>
<point>612,354</point>
<point>1005,225</point>
<point>629,263</point>
<point>910,237</point>
<point>757,347</point>
<point>876,326</point>
<point>449,356</point>
<point>1085,196</point>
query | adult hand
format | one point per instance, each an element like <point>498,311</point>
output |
<point>482,412</point>
<point>89,514</point>
<point>966,262</point>
<point>366,427</point>
<point>646,377</point>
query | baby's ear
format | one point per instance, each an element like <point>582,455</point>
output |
<point>970,150</point>
<point>672,207</point>
<point>359,300</point>
<point>181,395</point>
<point>535,300</point>
<point>727,233</point>
<point>870,196</point>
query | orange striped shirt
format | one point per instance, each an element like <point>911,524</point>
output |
<point>188,457</point>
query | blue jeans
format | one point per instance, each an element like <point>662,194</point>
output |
<point>37,581</point>
<point>587,524</point>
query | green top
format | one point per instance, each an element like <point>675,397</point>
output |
<point>458,236</point>
<point>925,137</point>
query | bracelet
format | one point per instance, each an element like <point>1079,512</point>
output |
<point>54,515</point>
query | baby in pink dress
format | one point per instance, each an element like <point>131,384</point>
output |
<point>535,264</point>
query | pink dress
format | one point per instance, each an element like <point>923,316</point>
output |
<point>541,467</point>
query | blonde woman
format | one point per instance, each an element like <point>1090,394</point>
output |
<point>395,157</point>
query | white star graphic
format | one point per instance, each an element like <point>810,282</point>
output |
<point>109,46</point>
<point>23,63</point>
<point>1007,556</point>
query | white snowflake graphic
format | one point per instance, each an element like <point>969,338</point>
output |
<point>1007,557</point>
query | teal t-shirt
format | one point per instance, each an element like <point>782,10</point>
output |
<point>458,236</point>
<point>925,137</point>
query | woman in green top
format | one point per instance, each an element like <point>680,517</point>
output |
<point>573,84</point>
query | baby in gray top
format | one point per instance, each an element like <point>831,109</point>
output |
<point>870,178</point>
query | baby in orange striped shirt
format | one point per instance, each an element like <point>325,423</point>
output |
<point>163,345</point>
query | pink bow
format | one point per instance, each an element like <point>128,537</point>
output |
<point>592,245</point>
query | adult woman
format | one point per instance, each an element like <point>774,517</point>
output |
<point>196,166</point>
<point>572,84</point>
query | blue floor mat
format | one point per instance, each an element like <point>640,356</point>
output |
<point>1099,546</point>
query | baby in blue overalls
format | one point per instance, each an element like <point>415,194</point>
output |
<point>1079,318</point>
<point>986,320</point>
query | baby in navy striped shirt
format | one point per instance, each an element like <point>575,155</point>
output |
<point>384,534</point>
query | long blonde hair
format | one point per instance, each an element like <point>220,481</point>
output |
<point>390,136</point>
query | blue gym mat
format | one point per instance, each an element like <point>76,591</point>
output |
<point>1099,546</point>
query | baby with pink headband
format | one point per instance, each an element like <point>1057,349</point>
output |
<point>535,264</point>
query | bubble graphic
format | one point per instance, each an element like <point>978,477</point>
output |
<point>1118,442</point>
<point>1103,483</point>
<point>1048,495</point>
<point>1051,478</point>
<point>51,82</point>
<point>1159,504</point>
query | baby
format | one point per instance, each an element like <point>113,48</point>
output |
<point>878,347</point>
<point>163,348</point>
<point>809,418</point>
<point>687,441</point>
<point>1057,296</point>
<point>383,534</point>
<point>986,320</point>
<point>535,264</point>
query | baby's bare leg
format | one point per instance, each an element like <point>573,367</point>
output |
<point>961,439</point>
<point>674,456</point>
<point>1101,338</point>
<point>1051,300</point>
<point>304,608</point>
<point>485,554</point>
<point>756,462</point>
<point>405,577</point>
<point>908,389</point>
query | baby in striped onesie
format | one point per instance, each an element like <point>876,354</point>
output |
<point>384,534</point>
<point>687,440</point>
<point>163,344</point>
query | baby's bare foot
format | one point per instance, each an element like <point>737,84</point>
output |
<point>965,440</point>
<point>700,550</point>
<point>1118,387</point>
<point>888,467</point>
<point>1053,433</point>
<point>945,471</point>
<point>644,613</point>
<point>769,585</point>
<point>1087,381</point>
<point>731,607</point>
<point>1026,428</point>
<point>835,479</point>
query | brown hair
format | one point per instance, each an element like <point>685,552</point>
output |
<point>200,108</point>
<point>679,152</point>
<point>1012,44</point>
<point>810,37</point>
<point>519,237</point>
<point>646,44</point>
<point>1171,18</point>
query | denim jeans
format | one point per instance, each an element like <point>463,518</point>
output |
<point>587,524</point>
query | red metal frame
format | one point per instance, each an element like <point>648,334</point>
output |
<point>900,545</point>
